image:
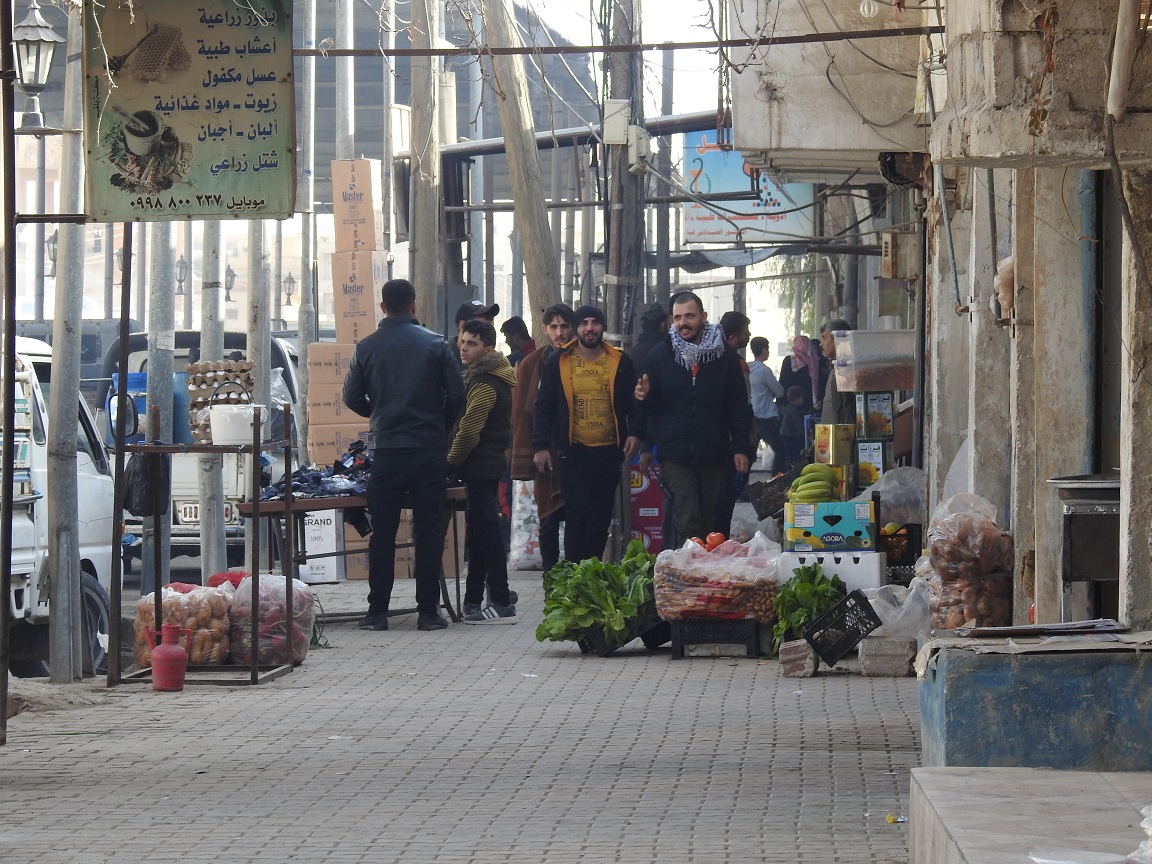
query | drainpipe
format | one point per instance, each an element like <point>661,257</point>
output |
<point>1123,53</point>
<point>1089,244</point>
<point>938,182</point>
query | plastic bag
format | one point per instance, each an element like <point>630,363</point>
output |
<point>903,611</point>
<point>735,580</point>
<point>204,611</point>
<point>279,397</point>
<point>143,472</point>
<point>272,625</point>
<point>901,496</point>
<point>972,561</point>
<point>524,551</point>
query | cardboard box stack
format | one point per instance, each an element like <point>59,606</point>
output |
<point>331,426</point>
<point>360,262</point>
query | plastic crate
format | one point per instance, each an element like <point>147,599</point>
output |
<point>903,549</point>
<point>841,628</point>
<point>715,631</point>
<point>646,626</point>
<point>768,497</point>
<point>875,346</point>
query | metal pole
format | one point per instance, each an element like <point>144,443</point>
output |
<point>161,343</point>
<point>187,288</point>
<point>210,467</point>
<point>109,271</point>
<point>38,229</point>
<point>259,353</point>
<point>8,397</point>
<point>664,165</point>
<point>478,253</point>
<point>278,278</point>
<point>142,304</point>
<point>116,593</point>
<point>424,225</point>
<point>516,300</point>
<point>66,629</point>
<point>306,202</point>
<point>345,83</point>
<point>388,13</point>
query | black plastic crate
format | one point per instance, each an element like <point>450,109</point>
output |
<point>645,625</point>
<point>902,549</point>
<point>715,631</point>
<point>768,497</point>
<point>841,628</point>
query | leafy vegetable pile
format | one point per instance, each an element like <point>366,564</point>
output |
<point>803,598</point>
<point>592,593</point>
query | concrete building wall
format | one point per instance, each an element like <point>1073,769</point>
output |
<point>834,98</point>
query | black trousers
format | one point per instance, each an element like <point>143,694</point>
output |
<point>550,539</point>
<point>487,560</point>
<point>588,480</point>
<point>423,473</point>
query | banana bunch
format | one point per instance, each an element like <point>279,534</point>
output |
<point>817,482</point>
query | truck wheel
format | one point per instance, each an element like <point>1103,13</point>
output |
<point>29,650</point>
<point>96,608</point>
<point>235,556</point>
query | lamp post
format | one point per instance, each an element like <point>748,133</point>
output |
<point>181,275</point>
<point>34,46</point>
<point>51,245</point>
<point>289,286</point>
<point>229,282</point>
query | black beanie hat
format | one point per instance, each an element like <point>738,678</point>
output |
<point>588,312</point>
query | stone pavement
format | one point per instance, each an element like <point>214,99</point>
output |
<point>475,744</point>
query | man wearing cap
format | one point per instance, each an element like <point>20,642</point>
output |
<point>474,309</point>
<point>519,341</point>
<point>583,408</point>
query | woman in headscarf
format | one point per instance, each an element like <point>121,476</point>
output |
<point>807,369</point>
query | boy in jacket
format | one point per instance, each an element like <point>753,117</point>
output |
<point>582,410</point>
<point>696,401</point>
<point>476,456</point>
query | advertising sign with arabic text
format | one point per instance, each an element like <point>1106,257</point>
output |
<point>189,110</point>
<point>780,214</point>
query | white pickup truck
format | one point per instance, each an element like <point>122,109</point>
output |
<point>185,508</point>
<point>31,545</point>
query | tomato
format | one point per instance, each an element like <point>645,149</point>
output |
<point>713,540</point>
<point>698,542</point>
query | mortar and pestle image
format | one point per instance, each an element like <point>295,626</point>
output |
<point>142,130</point>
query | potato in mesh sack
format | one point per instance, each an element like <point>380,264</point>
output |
<point>272,622</point>
<point>203,611</point>
<point>733,580</point>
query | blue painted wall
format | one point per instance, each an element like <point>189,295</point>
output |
<point>1087,712</point>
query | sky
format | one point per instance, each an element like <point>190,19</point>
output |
<point>694,74</point>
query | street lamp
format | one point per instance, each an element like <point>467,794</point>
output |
<point>289,287</point>
<point>51,245</point>
<point>181,275</point>
<point>229,282</point>
<point>34,45</point>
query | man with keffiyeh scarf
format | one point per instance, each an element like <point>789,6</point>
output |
<point>696,402</point>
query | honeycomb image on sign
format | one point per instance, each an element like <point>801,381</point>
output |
<point>153,56</point>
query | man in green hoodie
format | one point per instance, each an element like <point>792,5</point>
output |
<point>477,456</point>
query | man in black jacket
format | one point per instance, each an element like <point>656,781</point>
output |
<point>407,380</point>
<point>696,401</point>
<point>582,410</point>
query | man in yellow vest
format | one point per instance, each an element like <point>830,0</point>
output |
<point>583,411</point>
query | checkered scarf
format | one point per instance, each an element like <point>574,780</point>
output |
<point>689,354</point>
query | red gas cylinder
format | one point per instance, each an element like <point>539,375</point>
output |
<point>169,660</point>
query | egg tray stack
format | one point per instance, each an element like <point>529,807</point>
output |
<point>215,382</point>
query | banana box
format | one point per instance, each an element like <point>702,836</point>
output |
<point>832,525</point>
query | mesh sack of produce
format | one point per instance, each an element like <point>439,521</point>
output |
<point>983,600</point>
<point>734,580</point>
<point>203,611</point>
<point>272,621</point>
<point>964,542</point>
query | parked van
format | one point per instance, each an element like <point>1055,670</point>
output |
<point>185,510</point>
<point>31,546</point>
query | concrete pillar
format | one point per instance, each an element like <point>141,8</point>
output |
<point>1022,430</point>
<point>1063,351</point>
<point>989,400</point>
<point>1135,414</point>
<point>946,414</point>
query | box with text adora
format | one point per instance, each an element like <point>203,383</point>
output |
<point>831,525</point>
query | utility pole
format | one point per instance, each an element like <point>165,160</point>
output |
<point>424,225</point>
<point>210,466</point>
<point>511,90</point>
<point>664,166</point>
<point>309,330</point>
<point>66,632</point>
<point>625,190</point>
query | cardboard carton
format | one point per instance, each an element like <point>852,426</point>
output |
<point>328,363</point>
<point>849,525</point>
<point>358,204</point>
<point>357,278</point>
<point>327,443</point>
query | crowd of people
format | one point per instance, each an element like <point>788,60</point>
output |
<point>567,416</point>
